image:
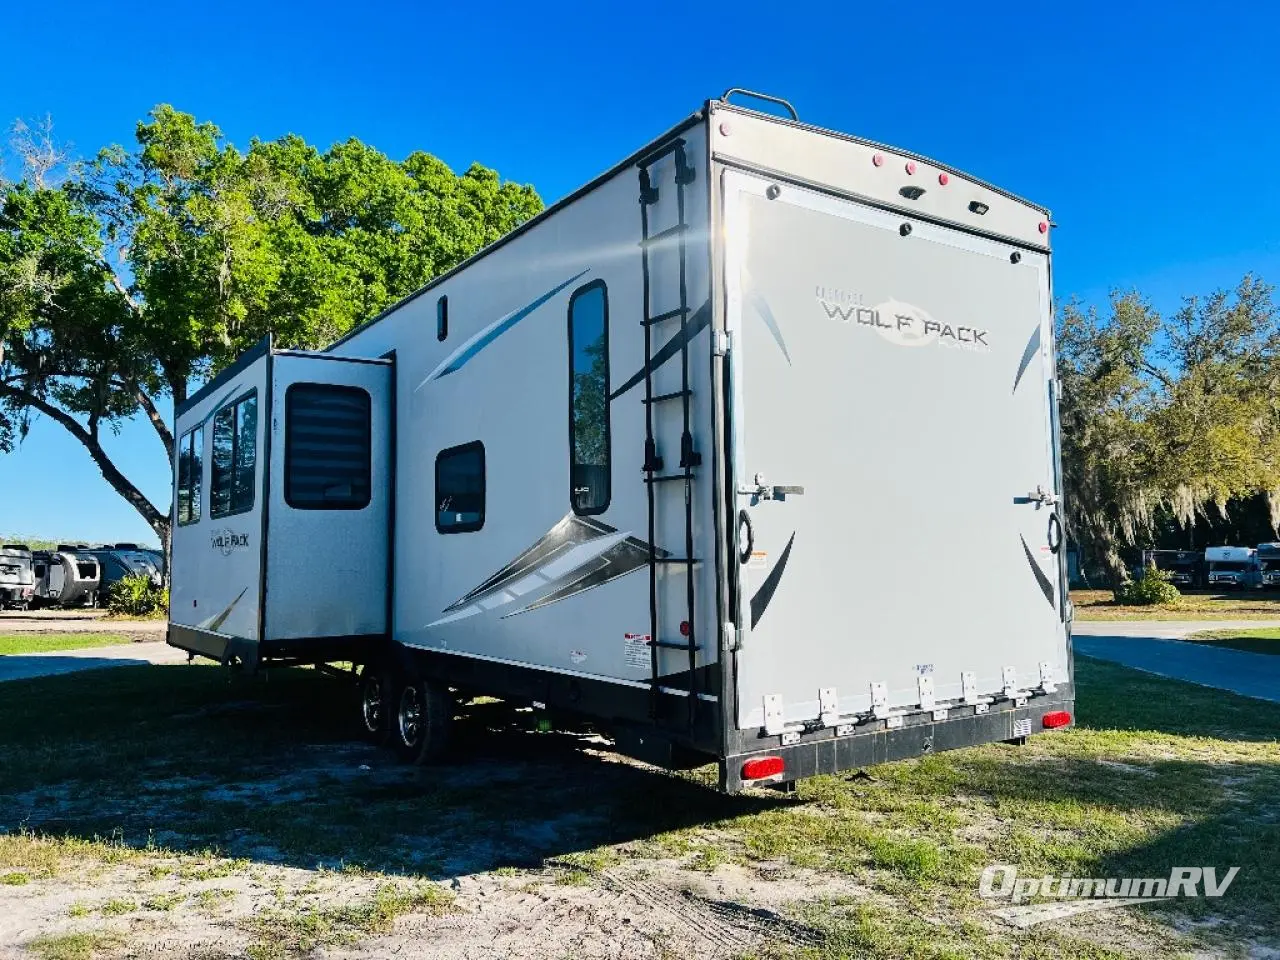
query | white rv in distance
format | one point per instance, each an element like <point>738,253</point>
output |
<point>661,457</point>
<point>1231,567</point>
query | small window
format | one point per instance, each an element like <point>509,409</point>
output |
<point>442,317</point>
<point>235,456</point>
<point>460,488</point>
<point>589,454</point>
<point>190,473</point>
<point>327,459</point>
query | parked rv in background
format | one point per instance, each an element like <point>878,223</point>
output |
<point>16,581</point>
<point>125,560</point>
<point>1231,567</point>
<point>67,576</point>
<point>1269,564</point>
<point>1184,567</point>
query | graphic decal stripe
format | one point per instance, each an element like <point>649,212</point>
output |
<point>1045,586</point>
<point>1027,356</point>
<point>767,589</point>
<point>213,623</point>
<point>576,555</point>
<point>465,353</point>
<point>696,324</point>
<point>761,306</point>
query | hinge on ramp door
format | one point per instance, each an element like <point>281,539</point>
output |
<point>969,688</point>
<point>773,722</point>
<point>828,706</point>
<point>1009,679</point>
<point>720,343</point>
<point>880,706</point>
<point>1047,683</point>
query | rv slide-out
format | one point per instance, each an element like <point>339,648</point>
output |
<point>665,456</point>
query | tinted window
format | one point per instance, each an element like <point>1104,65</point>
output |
<point>442,318</point>
<point>460,489</point>
<point>327,447</point>
<point>589,460</point>
<point>235,455</point>
<point>190,472</point>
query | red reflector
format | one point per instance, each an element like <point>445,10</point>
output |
<point>762,767</point>
<point>943,179</point>
<point>1044,227</point>
<point>1059,718</point>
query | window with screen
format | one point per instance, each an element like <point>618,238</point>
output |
<point>460,488</point>
<point>442,318</point>
<point>190,474</point>
<point>234,457</point>
<point>589,459</point>
<point>327,447</point>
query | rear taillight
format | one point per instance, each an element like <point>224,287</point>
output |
<point>760,767</point>
<point>1058,718</point>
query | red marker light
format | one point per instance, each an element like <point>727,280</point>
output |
<point>1058,718</point>
<point>911,167</point>
<point>684,628</point>
<point>761,767</point>
<point>943,179</point>
<point>877,159</point>
<point>1044,227</point>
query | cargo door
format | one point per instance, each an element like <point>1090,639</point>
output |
<point>330,502</point>
<point>893,457</point>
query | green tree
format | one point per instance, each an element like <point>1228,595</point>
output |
<point>127,280</point>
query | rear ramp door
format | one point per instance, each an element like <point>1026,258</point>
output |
<point>892,440</point>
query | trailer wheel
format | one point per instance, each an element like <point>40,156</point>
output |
<point>375,703</point>
<point>424,716</point>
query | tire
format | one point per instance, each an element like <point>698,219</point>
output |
<point>374,699</point>
<point>423,721</point>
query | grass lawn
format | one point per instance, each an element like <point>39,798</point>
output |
<point>1265,640</point>
<point>1244,605</point>
<point>170,782</point>
<point>42,642</point>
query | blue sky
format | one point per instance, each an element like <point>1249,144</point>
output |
<point>1149,129</point>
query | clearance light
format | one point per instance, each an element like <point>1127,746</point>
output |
<point>684,628</point>
<point>1058,718</point>
<point>761,767</point>
<point>1044,227</point>
<point>877,159</point>
<point>943,179</point>
<point>911,168</point>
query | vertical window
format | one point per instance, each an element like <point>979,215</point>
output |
<point>190,472</point>
<point>589,455</point>
<point>460,488</point>
<point>327,460</point>
<point>235,457</point>
<point>442,317</point>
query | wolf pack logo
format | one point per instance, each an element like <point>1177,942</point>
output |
<point>903,324</point>
<point>226,541</point>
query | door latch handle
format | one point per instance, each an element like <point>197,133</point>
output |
<point>1040,497</point>
<point>763,490</point>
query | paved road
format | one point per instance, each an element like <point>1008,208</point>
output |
<point>1155,647</point>
<point>23,666</point>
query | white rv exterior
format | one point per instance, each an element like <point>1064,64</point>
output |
<point>1231,566</point>
<point>629,461</point>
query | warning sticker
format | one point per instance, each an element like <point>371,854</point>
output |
<point>759,560</point>
<point>635,650</point>
<point>577,656</point>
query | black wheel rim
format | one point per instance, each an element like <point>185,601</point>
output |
<point>371,704</point>
<point>410,716</point>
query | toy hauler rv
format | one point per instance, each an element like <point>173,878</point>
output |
<point>627,462</point>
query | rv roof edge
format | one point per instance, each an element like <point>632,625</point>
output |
<point>242,362</point>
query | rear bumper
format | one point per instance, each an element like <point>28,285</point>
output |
<point>824,752</point>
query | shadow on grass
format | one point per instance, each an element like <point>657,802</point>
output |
<point>266,767</point>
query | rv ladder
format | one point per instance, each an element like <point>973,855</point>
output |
<point>689,457</point>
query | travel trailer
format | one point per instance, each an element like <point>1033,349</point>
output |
<point>662,457</point>
<point>1269,564</point>
<point>66,576</point>
<point>124,560</point>
<point>1231,567</point>
<point>1184,567</point>
<point>16,581</point>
